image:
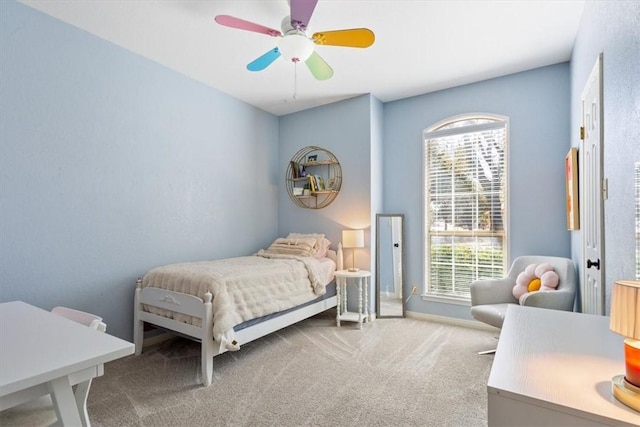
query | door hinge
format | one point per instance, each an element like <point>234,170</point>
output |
<point>582,132</point>
<point>605,189</point>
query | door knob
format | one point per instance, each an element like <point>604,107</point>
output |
<point>595,264</point>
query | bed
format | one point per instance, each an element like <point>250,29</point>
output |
<point>230,302</point>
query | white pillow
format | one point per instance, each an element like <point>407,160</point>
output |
<point>318,238</point>
<point>297,246</point>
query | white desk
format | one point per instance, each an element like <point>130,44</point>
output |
<point>42,353</point>
<point>554,368</point>
<point>361,278</point>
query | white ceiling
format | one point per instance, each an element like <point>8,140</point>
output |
<point>420,46</point>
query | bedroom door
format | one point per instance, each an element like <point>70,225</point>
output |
<point>593,195</point>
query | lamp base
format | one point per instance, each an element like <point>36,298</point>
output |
<point>626,392</point>
<point>353,270</point>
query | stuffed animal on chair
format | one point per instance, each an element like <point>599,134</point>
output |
<point>536,277</point>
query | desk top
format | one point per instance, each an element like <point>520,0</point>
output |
<point>560,360</point>
<point>37,346</point>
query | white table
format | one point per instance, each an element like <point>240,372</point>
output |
<point>554,368</point>
<point>42,353</point>
<point>361,278</point>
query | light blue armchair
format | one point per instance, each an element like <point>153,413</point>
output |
<point>490,297</point>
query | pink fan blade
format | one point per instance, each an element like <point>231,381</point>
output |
<point>301,11</point>
<point>318,67</point>
<point>233,22</point>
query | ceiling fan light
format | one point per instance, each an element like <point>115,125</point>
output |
<point>295,47</point>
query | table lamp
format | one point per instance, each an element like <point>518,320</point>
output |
<point>353,239</point>
<point>625,320</point>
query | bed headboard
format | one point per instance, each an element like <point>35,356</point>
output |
<point>337,257</point>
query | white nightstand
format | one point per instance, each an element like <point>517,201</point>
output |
<point>343,279</point>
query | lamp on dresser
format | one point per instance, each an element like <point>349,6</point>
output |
<point>353,239</point>
<point>625,320</point>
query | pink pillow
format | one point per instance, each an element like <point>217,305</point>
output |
<point>325,244</point>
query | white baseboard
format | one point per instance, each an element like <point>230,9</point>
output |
<point>451,321</point>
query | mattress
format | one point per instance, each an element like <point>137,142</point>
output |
<point>331,291</point>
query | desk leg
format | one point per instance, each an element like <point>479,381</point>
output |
<point>64,402</point>
<point>81,394</point>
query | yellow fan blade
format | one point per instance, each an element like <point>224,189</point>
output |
<point>355,37</point>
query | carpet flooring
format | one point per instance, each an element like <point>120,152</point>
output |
<point>393,372</point>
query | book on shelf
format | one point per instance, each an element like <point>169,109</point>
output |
<point>295,169</point>
<point>319,183</point>
<point>312,183</point>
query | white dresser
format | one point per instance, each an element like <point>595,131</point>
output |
<point>554,368</point>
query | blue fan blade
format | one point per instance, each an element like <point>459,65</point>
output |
<point>264,61</point>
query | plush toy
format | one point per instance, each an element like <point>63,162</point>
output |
<point>536,277</point>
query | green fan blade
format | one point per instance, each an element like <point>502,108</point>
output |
<point>318,67</point>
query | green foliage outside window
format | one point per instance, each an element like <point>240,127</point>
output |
<point>454,267</point>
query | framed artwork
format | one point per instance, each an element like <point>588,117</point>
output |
<point>571,177</point>
<point>312,159</point>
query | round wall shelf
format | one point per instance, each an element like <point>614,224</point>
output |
<point>313,178</point>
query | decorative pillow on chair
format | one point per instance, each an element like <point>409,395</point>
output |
<point>536,277</point>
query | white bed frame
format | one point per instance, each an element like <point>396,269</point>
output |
<point>202,309</point>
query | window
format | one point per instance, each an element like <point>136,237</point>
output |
<point>465,209</point>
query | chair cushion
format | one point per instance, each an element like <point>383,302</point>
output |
<point>492,314</point>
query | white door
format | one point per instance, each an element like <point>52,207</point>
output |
<point>592,271</point>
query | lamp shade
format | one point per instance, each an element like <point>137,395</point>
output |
<point>353,238</point>
<point>625,320</point>
<point>625,309</point>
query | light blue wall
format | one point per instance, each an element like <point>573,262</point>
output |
<point>612,28</point>
<point>352,131</point>
<point>537,104</point>
<point>377,184</point>
<point>344,128</point>
<point>111,164</point>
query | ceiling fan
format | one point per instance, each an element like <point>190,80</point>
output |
<point>294,44</point>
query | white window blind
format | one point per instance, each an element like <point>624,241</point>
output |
<point>465,209</point>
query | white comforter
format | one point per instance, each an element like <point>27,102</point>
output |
<point>243,288</point>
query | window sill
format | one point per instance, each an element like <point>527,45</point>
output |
<point>447,299</point>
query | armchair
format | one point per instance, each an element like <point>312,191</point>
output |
<point>490,297</point>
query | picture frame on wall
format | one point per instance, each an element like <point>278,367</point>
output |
<point>571,177</point>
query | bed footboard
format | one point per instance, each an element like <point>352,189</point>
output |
<point>181,303</point>
<point>202,309</point>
